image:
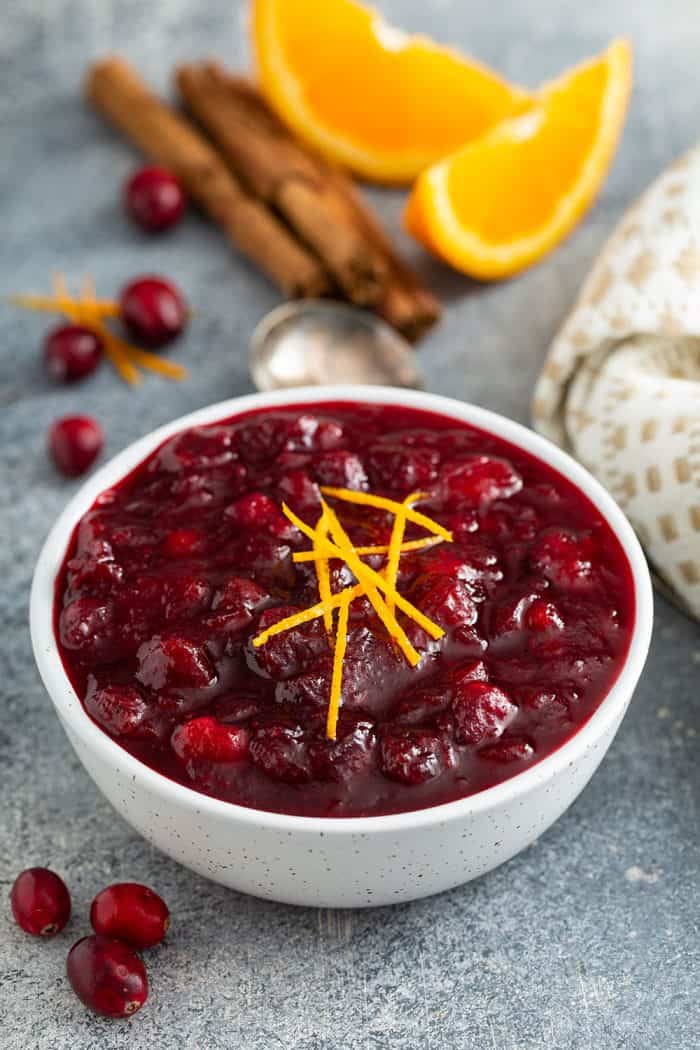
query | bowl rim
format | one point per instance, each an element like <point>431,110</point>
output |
<point>72,713</point>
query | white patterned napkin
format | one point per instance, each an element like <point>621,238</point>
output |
<point>620,388</point>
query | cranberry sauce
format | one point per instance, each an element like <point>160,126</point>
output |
<point>177,568</point>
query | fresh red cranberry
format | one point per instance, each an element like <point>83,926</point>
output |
<point>40,902</point>
<point>205,739</point>
<point>154,199</point>
<point>72,352</point>
<point>153,310</point>
<point>514,749</point>
<point>258,511</point>
<point>411,756</point>
<point>119,709</point>
<point>281,752</point>
<point>173,662</point>
<point>131,912</point>
<point>482,711</point>
<point>183,543</point>
<point>543,616</point>
<point>75,442</point>
<point>480,479</point>
<point>341,469</point>
<point>107,976</point>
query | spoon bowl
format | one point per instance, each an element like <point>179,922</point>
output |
<point>314,342</point>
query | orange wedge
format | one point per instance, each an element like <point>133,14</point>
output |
<point>503,201</point>
<point>379,102</point>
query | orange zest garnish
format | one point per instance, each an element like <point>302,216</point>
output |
<point>323,573</point>
<point>92,312</point>
<point>338,657</point>
<point>398,529</point>
<point>366,499</point>
<point>331,541</point>
<point>409,545</point>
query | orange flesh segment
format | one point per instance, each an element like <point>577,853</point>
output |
<point>502,201</point>
<point>411,101</point>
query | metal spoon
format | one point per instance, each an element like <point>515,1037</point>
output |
<point>314,342</point>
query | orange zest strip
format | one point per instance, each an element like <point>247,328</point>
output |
<point>156,364</point>
<point>397,531</point>
<point>323,573</point>
<point>115,350</point>
<point>376,580</point>
<point>409,545</point>
<point>364,575</point>
<point>306,615</point>
<point>382,503</point>
<point>57,304</point>
<point>338,657</point>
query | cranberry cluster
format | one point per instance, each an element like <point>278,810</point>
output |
<point>174,572</point>
<point>104,969</point>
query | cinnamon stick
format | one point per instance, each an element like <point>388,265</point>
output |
<point>317,199</point>
<point>276,168</point>
<point>114,88</point>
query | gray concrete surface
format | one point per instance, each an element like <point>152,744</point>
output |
<point>590,939</point>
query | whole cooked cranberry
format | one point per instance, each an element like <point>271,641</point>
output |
<point>481,711</point>
<point>341,469</point>
<point>72,352</point>
<point>421,705</point>
<point>515,749</point>
<point>281,752</point>
<point>154,199</point>
<point>153,310</point>
<point>174,661</point>
<point>411,756</point>
<point>119,709</point>
<point>300,493</point>
<point>543,616</point>
<point>563,557</point>
<point>207,740</point>
<point>107,976</point>
<point>86,625</point>
<point>235,605</point>
<point>131,912</point>
<point>183,543</point>
<point>350,755</point>
<point>290,652</point>
<point>40,902</point>
<point>75,442</point>
<point>480,479</point>
<point>446,601</point>
<point>394,466</point>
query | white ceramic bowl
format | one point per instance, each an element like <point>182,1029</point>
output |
<point>338,862</point>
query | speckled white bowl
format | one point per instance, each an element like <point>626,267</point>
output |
<point>338,862</point>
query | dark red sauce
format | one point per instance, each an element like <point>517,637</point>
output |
<point>174,570</point>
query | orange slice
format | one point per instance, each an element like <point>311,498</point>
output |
<point>502,202</point>
<point>373,99</point>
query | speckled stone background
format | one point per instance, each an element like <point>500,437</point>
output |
<point>590,940</point>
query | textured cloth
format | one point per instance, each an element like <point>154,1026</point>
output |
<point>620,388</point>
